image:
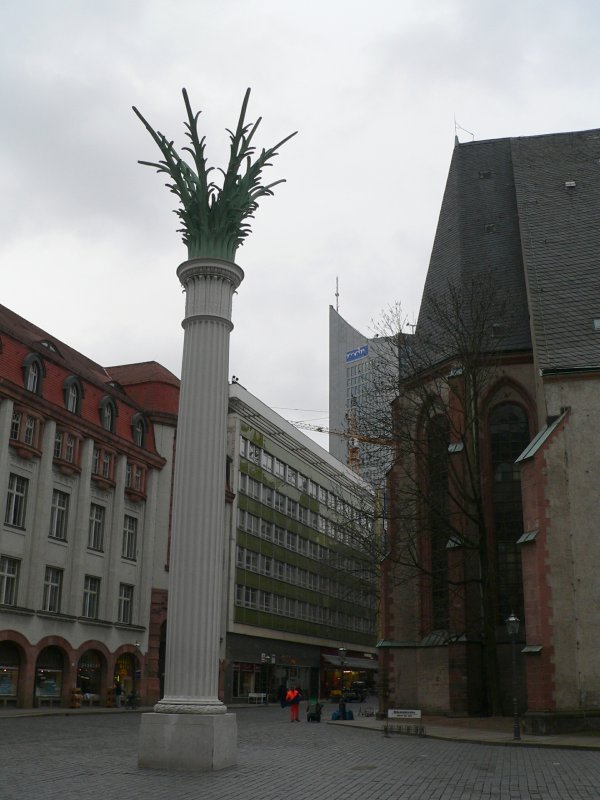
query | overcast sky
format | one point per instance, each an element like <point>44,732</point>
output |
<point>88,242</point>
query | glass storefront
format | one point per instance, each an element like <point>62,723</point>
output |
<point>245,679</point>
<point>49,676</point>
<point>249,678</point>
<point>9,673</point>
<point>126,673</point>
<point>89,673</point>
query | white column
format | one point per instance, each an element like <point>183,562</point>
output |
<point>198,533</point>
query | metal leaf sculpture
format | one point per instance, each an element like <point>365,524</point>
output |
<point>215,219</point>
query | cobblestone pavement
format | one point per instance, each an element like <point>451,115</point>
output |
<point>94,757</point>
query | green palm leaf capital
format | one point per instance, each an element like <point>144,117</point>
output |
<point>215,218</point>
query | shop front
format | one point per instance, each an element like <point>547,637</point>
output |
<point>49,672</point>
<point>340,670</point>
<point>265,667</point>
<point>90,670</point>
<point>127,674</point>
<point>10,664</point>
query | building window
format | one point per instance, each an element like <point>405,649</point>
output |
<point>91,597</point>
<point>437,499</point>
<point>135,478</point>
<point>24,428</point>
<point>246,596</point>
<point>66,447</point>
<point>33,373</point>
<point>73,393</point>
<point>108,414</point>
<point>16,501</point>
<point>70,449</point>
<point>59,512</point>
<point>96,529</point>
<point>28,438</point>
<point>129,537</point>
<point>254,453</point>
<point>52,590</point>
<point>15,426</point>
<point>125,603</point>
<point>9,580</point>
<point>509,436</point>
<point>72,398</point>
<point>103,464</point>
<point>138,427</point>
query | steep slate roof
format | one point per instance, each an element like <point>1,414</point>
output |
<point>560,234</point>
<point>510,209</point>
<point>477,235</point>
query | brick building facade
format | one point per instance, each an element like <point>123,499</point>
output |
<point>86,458</point>
<point>521,213</point>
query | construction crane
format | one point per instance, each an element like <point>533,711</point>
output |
<point>352,435</point>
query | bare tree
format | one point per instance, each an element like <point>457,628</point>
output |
<point>424,406</point>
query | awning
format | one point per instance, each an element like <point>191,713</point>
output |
<point>353,663</point>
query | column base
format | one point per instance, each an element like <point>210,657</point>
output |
<point>188,742</point>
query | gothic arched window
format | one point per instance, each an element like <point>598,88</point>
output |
<point>509,436</point>
<point>437,513</point>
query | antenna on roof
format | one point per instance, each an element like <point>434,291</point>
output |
<point>337,294</point>
<point>457,128</point>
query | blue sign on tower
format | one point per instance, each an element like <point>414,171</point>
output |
<point>358,352</point>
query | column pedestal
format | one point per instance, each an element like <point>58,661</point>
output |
<point>188,742</point>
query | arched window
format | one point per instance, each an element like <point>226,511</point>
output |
<point>437,514</point>
<point>73,394</point>
<point>108,414</point>
<point>138,429</point>
<point>33,373</point>
<point>509,435</point>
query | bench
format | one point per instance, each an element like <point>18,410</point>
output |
<point>257,697</point>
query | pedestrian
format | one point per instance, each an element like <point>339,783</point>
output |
<point>293,698</point>
<point>281,693</point>
<point>118,691</point>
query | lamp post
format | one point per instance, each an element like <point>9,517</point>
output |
<point>342,651</point>
<point>512,626</point>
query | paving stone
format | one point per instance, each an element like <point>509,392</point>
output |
<point>94,757</point>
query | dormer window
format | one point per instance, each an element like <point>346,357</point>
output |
<point>49,346</point>
<point>73,394</point>
<point>33,373</point>
<point>138,426</point>
<point>33,377</point>
<point>108,414</point>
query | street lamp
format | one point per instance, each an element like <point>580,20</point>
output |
<point>342,651</point>
<point>512,626</point>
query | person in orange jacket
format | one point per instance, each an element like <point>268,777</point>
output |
<point>293,698</point>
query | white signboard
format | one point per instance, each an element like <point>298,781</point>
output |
<point>404,713</point>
